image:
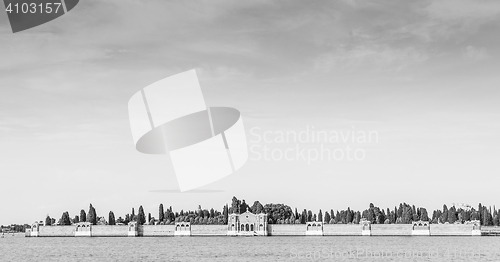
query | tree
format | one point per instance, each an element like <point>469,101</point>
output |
<point>303,218</point>
<point>48,221</point>
<point>370,214</point>
<point>487,219</point>
<point>480,213</point>
<point>277,212</point>
<point>357,217</point>
<point>379,216</point>
<point>149,217</point>
<point>338,218</point>
<point>415,216</point>
<point>91,215</point>
<point>235,205</point>
<point>76,219</point>
<point>423,214</point>
<point>452,216</point>
<point>65,220</point>
<point>327,218</point>
<point>320,216</point>
<point>309,216</point>
<point>243,207</point>
<point>225,214</point>
<point>132,216</point>
<point>444,215</point>
<point>161,213</point>
<point>141,217</point>
<point>111,218</point>
<point>83,216</point>
<point>257,207</point>
<point>349,215</point>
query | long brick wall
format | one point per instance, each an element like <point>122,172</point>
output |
<point>451,230</point>
<point>273,230</point>
<point>341,230</point>
<point>391,230</point>
<point>109,231</point>
<point>286,229</point>
<point>56,231</point>
<point>208,230</point>
<point>157,231</point>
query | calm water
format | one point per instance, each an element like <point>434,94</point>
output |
<point>19,248</point>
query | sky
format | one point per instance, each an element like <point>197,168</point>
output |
<point>421,75</point>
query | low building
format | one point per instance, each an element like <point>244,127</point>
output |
<point>421,228</point>
<point>182,229</point>
<point>247,224</point>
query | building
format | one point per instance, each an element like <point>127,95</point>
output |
<point>247,224</point>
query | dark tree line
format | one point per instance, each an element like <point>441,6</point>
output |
<point>14,228</point>
<point>284,214</point>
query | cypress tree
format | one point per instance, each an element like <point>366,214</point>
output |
<point>111,218</point>
<point>48,221</point>
<point>370,215</point>
<point>343,217</point>
<point>225,214</point>
<point>400,211</point>
<point>303,218</point>
<point>83,216</point>
<point>141,217</point>
<point>349,215</point>
<point>235,205</point>
<point>320,216</point>
<point>91,215</point>
<point>161,213</point>
<point>444,215</point>
<point>452,217</point>
<point>327,218</point>
<point>480,213</point>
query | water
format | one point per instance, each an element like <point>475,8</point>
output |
<point>19,248</point>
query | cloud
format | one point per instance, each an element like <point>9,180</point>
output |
<point>6,129</point>
<point>473,53</point>
<point>450,10</point>
<point>369,58</point>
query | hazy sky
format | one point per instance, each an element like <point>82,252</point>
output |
<point>422,74</point>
